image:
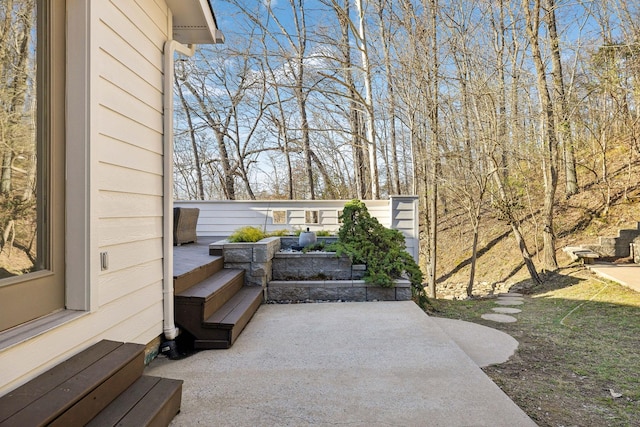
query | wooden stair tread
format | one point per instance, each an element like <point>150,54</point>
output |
<point>234,309</point>
<point>190,264</point>
<point>208,287</point>
<point>74,391</point>
<point>29,392</point>
<point>148,401</point>
<point>193,273</point>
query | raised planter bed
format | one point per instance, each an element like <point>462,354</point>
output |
<point>314,266</point>
<point>289,242</point>
<point>293,276</point>
<point>254,258</point>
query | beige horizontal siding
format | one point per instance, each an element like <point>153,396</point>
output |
<point>122,282</point>
<point>126,180</point>
<point>114,231</point>
<point>116,45</point>
<point>125,147</point>
<point>122,205</point>
<point>128,155</point>
<point>115,125</point>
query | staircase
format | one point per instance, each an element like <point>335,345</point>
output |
<point>212,303</point>
<point>616,247</point>
<point>100,386</point>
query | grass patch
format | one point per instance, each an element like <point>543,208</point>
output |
<point>579,339</point>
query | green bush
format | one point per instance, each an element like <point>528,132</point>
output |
<point>247,234</point>
<point>366,241</point>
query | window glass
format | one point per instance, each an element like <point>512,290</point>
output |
<point>20,249</point>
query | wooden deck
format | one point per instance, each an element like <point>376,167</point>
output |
<point>102,385</point>
<point>192,255</point>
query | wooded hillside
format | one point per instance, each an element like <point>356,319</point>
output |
<point>523,111</point>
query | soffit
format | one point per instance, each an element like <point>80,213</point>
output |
<point>194,22</point>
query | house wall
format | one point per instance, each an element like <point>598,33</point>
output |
<point>222,218</point>
<point>115,145</point>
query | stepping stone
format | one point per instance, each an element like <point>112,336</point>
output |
<point>509,301</point>
<point>501,318</point>
<point>510,294</point>
<point>507,310</point>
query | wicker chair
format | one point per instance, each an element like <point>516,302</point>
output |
<point>184,225</point>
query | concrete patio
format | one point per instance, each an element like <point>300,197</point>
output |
<point>360,364</point>
<point>626,274</point>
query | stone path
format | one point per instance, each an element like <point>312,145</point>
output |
<point>508,302</point>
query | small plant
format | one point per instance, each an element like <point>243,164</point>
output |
<point>314,247</point>
<point>366,241</point>
<point>323,233</point>
<point>247,234</point>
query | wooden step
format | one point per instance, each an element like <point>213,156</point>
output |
<point>213,292</point>
<point>226,324</point>
<point>200,301</point>
<point>232,312</point>
<point>150,401</point>
<point>189,275</point>
<point>76,390</point>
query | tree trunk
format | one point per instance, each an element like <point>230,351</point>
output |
<point>371,135</point>
<point>299,91</point>
<point>355,117</point>
<point>474,251</point>
<point>391,107</point>
<point>560,103</point>
<point>434,153</point>
<point>5,177</point>
<point>306,144</point>
<point>218,129</point>
<point>547,125</point>
<point>515,226</point>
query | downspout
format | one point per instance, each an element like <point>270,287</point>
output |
<point>170,47</point>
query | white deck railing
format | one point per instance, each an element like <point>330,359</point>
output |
<point>221,218</point>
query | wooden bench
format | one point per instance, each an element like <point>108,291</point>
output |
<point>102,385</point>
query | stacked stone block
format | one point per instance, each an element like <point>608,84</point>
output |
<point>336,290</point>
<point>254,258</point>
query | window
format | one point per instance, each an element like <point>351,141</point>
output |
<point>279,217</point>
<point>311,217</point>
<point>32,106</point>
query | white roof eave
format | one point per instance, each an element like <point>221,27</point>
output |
<point>194,22</point>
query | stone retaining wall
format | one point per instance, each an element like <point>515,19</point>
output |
<point>265,266</point>
<point>336,290</point>
<point>314,266</point>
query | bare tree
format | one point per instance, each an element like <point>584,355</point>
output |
<point>370,113</point>
<point>192,137</point>
<point>384,23</point>
<point>548,130</point>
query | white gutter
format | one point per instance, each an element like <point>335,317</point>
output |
<point>170,47</point>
